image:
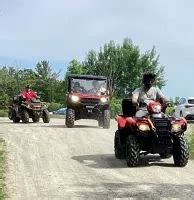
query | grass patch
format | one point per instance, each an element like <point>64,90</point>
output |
<point>2,169</point>
<point>191,146</point>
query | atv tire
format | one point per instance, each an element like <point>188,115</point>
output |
<point>180,151</point>
<point>35,117</point>
<point>132,151</point>
<point>15,118</point>
<point>46,117</point>
<point>106,119</point>
<point>100,122</point>
<point>118,148</point>
<point>25,116</point>
<point>70,118</point>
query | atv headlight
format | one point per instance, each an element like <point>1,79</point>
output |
<point>143,127</point>
<point>74,98</point>
<point>176,127</point>
<point>103,99</point>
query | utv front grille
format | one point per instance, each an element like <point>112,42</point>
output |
<point>90,101</point>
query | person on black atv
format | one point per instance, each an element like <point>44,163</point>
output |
<point>28,94</point>
<point>146,93</point>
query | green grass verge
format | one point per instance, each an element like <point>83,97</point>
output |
<point>2,169</point>
<point>191,146</point>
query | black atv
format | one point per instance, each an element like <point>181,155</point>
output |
<point>156,133</point>
<point>22,110</point>
<point>86,102</point>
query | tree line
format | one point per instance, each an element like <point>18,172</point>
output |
<point>123,63</point>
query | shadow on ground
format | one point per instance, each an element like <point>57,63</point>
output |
<point>109,161</point>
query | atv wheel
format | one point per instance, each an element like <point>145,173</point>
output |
<point>10,114</point>
<point>119,150</point>
<point>106,119</point>
<point>25,116</point>
<point>165,155</point>
<point>70,118</point>
<point>180,151</point>
<point>132,151</point>
<point>46,117</point>
<point>36,117</point>
<point>15,118</point>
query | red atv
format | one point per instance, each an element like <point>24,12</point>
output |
<point>88,98</point>
<point>155,133</point>
<point>22,110</point>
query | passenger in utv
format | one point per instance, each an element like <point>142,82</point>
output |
<point>96,87</point>
<point>77,87</point>
<point>141,96</point>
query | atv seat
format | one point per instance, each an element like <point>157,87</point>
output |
<point>128,108</point>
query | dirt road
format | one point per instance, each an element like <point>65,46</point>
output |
<point>49,161</point>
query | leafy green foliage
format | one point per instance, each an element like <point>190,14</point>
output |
<point>2,169</point>
<point>54,106</point>
<point>3,113</point>
<point>115,107</point>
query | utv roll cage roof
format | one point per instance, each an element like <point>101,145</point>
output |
<point>87,77</point>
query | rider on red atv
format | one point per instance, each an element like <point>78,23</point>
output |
<point>28,94</point>
<point>146,93</point>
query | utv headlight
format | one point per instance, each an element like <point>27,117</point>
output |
<point>74,98</point>
<point>103,99</point>
<point>176,128</point>
<point>143,127</point>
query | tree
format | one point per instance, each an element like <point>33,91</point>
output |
<point>124,65</point>
<point>46,80</point>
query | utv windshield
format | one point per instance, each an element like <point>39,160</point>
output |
<point>88,86</point>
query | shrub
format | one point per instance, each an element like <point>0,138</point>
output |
<point>3,113</point>
<point>115,107</point>
<point>54,106</point>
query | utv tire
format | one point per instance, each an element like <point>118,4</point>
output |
<point>180,151</point>
<point>25,116</point>
<point>132,151</point>
<point>35,117</point>
<point>106,119</point>
<point>118,148</point>
<point>165,155</point>
<point>46,117</point>
<point>70,118</point>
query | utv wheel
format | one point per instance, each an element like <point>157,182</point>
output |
<point>119,149</point>
<point>106,119</point>
<point>165,155</point>
<point>180,151</point>
<point>70,118</point>
<point>25,116</point>
<point>132,151</point>
<point>46,117</point>
<point>36,117</point>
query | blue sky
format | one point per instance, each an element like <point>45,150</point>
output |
<point>61,30</point>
